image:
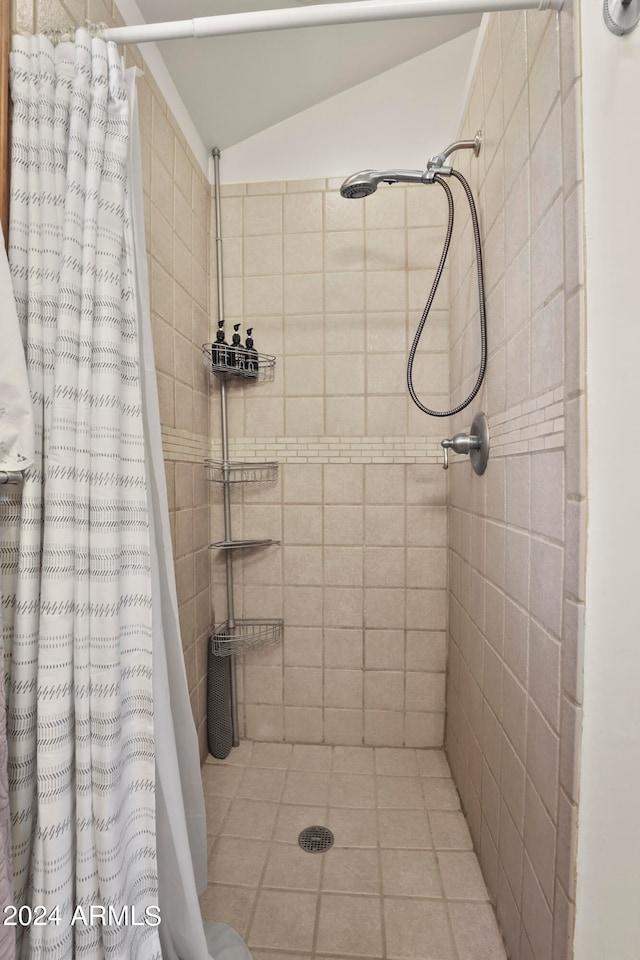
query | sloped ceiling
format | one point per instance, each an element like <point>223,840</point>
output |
<point>234,87</point>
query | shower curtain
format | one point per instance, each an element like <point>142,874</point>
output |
<point>106,797</point>
<point>80,711</point>
<point>16,454</point>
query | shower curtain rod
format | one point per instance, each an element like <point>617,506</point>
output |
<point>360,11</point>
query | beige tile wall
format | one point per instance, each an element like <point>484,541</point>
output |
<point>517,534</point>
<point>176,207</point>
<point>176,198</point>
<point>334,289</point>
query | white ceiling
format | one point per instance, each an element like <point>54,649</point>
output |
<point>233,87</point>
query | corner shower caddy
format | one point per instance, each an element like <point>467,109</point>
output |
<point>235,636</point>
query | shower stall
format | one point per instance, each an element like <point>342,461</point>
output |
<point>423,609</point>
<point>432,619</point>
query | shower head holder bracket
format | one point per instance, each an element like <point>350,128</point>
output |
<point>434,170</point>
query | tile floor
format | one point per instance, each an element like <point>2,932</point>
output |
<point>400,883</point>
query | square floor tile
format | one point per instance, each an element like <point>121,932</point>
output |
<point>351,790</point>
<point>353,760</point>
<point>476,932</point>
<point>351,871</point>
<point>353,827</point>
<point>310,757</point>
<point>237,861</point>
<point>440,794</point>
<point>283,921</point>
<point>350,926</point>
<point>417,930</point>
<point>406,829</point>
<point>432,763</point>
<point>304,786</point>
<point>232,905</point>
<point>259,783</point>
<point>400,793</point>
<point>461,876</point>
<point>449,831</point>
<point>219,780</point>
<point>289,866</point>
<point>410,873</point>
<point>253,819</point>
<point>396,761</point>
<point>270,755</point>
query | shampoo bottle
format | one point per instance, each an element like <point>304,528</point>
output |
<point>219,348</point>
<point>251,356</point>
<point>236,353</point>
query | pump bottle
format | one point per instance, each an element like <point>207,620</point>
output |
<point>219,348</point>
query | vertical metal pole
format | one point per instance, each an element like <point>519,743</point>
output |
<point>231,624</point>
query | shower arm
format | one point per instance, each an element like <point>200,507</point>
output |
<point>436,164</point>
<point>357,11</point>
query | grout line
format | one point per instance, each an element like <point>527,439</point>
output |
<point>327,818</point>
<point>269,848</point>
<point>383,926</point>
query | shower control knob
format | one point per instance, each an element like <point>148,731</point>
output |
<point>460,443</point>
<point>475,444</point>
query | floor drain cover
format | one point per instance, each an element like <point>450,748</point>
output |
<point>316,839</point>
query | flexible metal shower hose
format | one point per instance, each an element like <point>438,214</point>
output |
<point>482,310</point>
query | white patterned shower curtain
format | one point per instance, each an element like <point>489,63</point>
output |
<point>80,711</point>
<point>106,794</point>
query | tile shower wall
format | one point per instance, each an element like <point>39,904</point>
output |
<point>334,289</point>
<point>517,534</point>
<point>176,207</point>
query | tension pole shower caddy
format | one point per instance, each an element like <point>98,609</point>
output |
<point>234,636</point>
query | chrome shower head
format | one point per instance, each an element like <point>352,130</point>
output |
<point>359,185</point>
<point>366,182</point>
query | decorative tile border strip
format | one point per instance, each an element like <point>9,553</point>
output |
<point>335,449</point>
<point>536,424</point>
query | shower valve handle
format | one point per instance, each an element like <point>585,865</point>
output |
<point>475,444</point>
<point>460,443</point>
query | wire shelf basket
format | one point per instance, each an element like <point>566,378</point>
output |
<point>246,635</point>
<point>237,471</point>
<point>242,544</point>
<point>238,363</point>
